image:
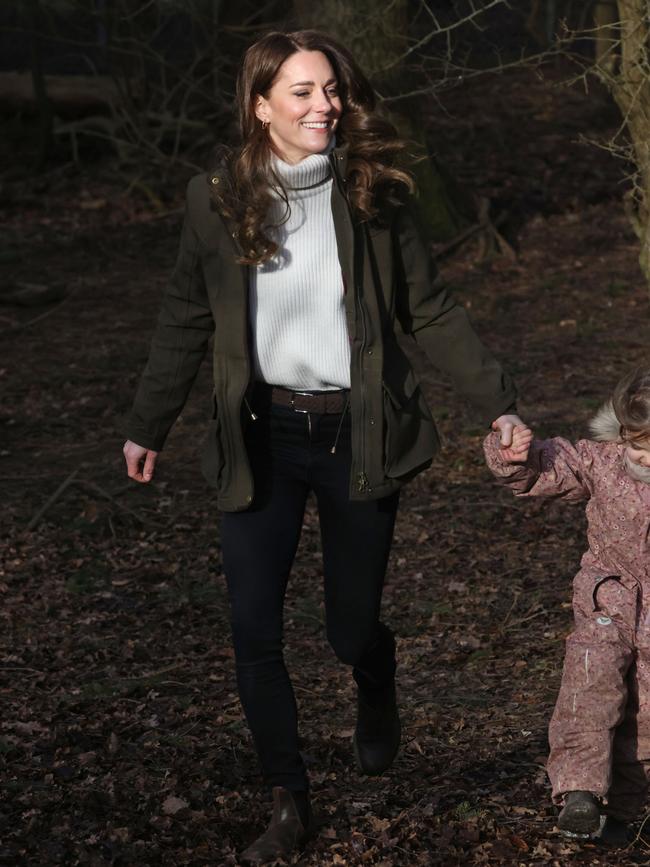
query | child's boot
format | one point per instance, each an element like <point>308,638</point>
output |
<point>614,833</point>
<point>580,814</point>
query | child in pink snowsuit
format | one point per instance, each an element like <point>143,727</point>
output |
<point>600,729</point>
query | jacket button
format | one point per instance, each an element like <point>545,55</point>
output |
<point>372,421</point>
<point>214,180</point>
<point>249,499</point>
<point>370,352</point>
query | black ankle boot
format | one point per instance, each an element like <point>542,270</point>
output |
<point>614,833</point>
<point>377,735</point>
<point>580,814</point>
<point>286,832</point>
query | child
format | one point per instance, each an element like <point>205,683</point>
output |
<point>600,729</point>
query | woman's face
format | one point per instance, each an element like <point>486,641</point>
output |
<point>302,107</point>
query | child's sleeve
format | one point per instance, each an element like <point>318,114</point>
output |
<point>555,468</point>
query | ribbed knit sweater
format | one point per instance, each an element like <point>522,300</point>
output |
<point>300,336</point>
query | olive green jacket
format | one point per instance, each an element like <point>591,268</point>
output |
<point>389,281</point>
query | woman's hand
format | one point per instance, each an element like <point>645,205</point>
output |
<point>515,438</point>
<point>134,455</point>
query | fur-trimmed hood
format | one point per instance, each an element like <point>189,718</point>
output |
<point>605,426</point>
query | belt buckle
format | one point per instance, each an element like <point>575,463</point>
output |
<point>303,394</point>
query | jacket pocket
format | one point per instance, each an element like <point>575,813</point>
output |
<point>410,436</point>
<point>606,608</point>
<point>212,460</point>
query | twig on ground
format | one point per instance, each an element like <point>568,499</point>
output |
<point>442,251</point>
<point>21,668</point>
<point>49,503</point>
<point>157,673</point>
<point>489,230</point>
<point>94,488</point>
<point>639,837</point>
<point>20,326</point>
<point>451,506</point>
<point>97,489</point>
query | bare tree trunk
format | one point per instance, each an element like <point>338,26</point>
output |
<point>377,36</point>
<point>605,37</point>
<point>45,114</point>
<point>215,22</point>
<point>631,90</point>
<point>541,21</point>
<point>375,33</point>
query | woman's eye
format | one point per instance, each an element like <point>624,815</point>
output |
<point>333,92</point>
<point>302,93</point>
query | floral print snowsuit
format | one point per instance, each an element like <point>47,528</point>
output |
<point>600,729</point>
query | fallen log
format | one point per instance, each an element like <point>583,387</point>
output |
<point>70,95</point>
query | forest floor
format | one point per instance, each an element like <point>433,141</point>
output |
<point>121,737</point>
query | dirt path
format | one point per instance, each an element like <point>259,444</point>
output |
<point>116,672</point>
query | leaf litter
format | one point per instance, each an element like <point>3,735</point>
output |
<point>122,740</point>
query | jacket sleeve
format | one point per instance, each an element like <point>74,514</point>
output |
<point>555,469</point>
<point>427,311</point>
<point>184,327</point>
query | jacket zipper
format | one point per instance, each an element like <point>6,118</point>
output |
<point>248,407</point>
<point>243,398</point>
<point>362,479</point>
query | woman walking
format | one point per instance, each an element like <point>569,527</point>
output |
<point>300,255</point>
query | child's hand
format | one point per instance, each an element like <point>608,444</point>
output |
<point>517,452</point>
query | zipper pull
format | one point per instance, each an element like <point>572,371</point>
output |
<point>362,482</point>
<point>250,411</point>
<point>338,430</point>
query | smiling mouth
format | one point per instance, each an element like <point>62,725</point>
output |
<point>324,124</point>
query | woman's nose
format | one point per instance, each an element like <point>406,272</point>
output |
<point>322,103</point>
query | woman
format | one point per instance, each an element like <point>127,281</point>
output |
<point>300,255</point>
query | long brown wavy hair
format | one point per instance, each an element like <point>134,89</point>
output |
<point>374,147</point>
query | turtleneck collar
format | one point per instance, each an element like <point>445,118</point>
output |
<point>310,172</point>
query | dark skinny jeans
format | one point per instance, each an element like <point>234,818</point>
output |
<point>290,454</point>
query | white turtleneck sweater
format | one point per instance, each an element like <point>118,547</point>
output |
<point>300,336</point>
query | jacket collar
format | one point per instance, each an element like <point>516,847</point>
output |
<point>339,161</point>
<point>338,158</point>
